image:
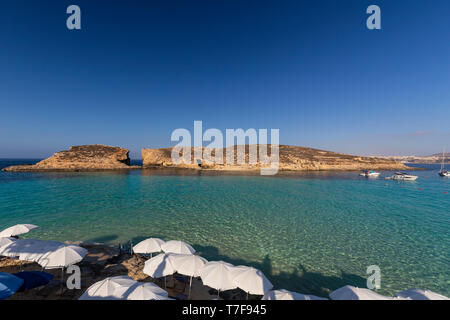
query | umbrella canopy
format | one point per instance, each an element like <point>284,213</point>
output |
<point>124,288</point>
<point>251,280</point>
<point>289,295</point>
<point>6,252</point>
<point>150,245</point>
<point>419,294</point>
<point>159,266</point>
<point>9,284</point>
<point>62,257</point>
<point>33,279</point>
<point>187,264</point>
<point>112,288</point>
<point>353,293</point>
<point>33,250</point>
<point>176,246</point>
<point>6,241</point>
<point>29,249</point>
<point>217,275</point>
<point>17,229</point>
<point>146,291</point>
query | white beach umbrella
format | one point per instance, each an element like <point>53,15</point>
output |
<point>188,265</point>
<point>419,294</point>
<point>146,291</point>
<point>17,229</point>
<point>6,251</point>
<point>300,296</point>
<point>353,293</point>
<point>150,245</point>
<point>24,246</point>
<point>112,288</point>
<point>159,266</point>
<point>5,241</point>
<point>33,250</point>
<point>62,257</point>
<point>176,246</point>
<point>5,247</point>
<point>217,275</point>
<point>289,295</point>
<point>251,280</point>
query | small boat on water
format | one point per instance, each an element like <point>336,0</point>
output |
<point>369,174</point>
<point>443,172</point>
<point>403,177</point>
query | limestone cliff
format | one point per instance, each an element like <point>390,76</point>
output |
<point>82,158</point>
<point>291,158</point>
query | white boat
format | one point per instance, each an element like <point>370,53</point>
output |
<point>369,174</point>
<point>403,177</point>
<point>443,172</point>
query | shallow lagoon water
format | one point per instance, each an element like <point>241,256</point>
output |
<point>310,232</point>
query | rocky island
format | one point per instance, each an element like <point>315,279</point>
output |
<point>82,158</point>
<point>291,158</point>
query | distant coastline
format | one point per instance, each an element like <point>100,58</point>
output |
<point>433,159</point>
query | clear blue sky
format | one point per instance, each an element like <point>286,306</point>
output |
<point>139,69</point>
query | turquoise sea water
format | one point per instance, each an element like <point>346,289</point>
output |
<point>307,232</point>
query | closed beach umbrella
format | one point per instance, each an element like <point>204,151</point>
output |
<point>353,293</point>
<point>419,294</point>
<point>217,275</point>
<point>188,265</point>
<point>176,246</point>
<point>112,288</point>
<point>289,295</point>
<point>251,280</point>
<point>17,229</point>
<point>9,284</point>
<point>33,279</point>
<point>150,245</point>
<point>159,266</point>
<point>62,257</point>
<point>146,291</point>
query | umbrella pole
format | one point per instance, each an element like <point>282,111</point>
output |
<point>218,293</point>
<point>190,286</point>
<point>62,279</point>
